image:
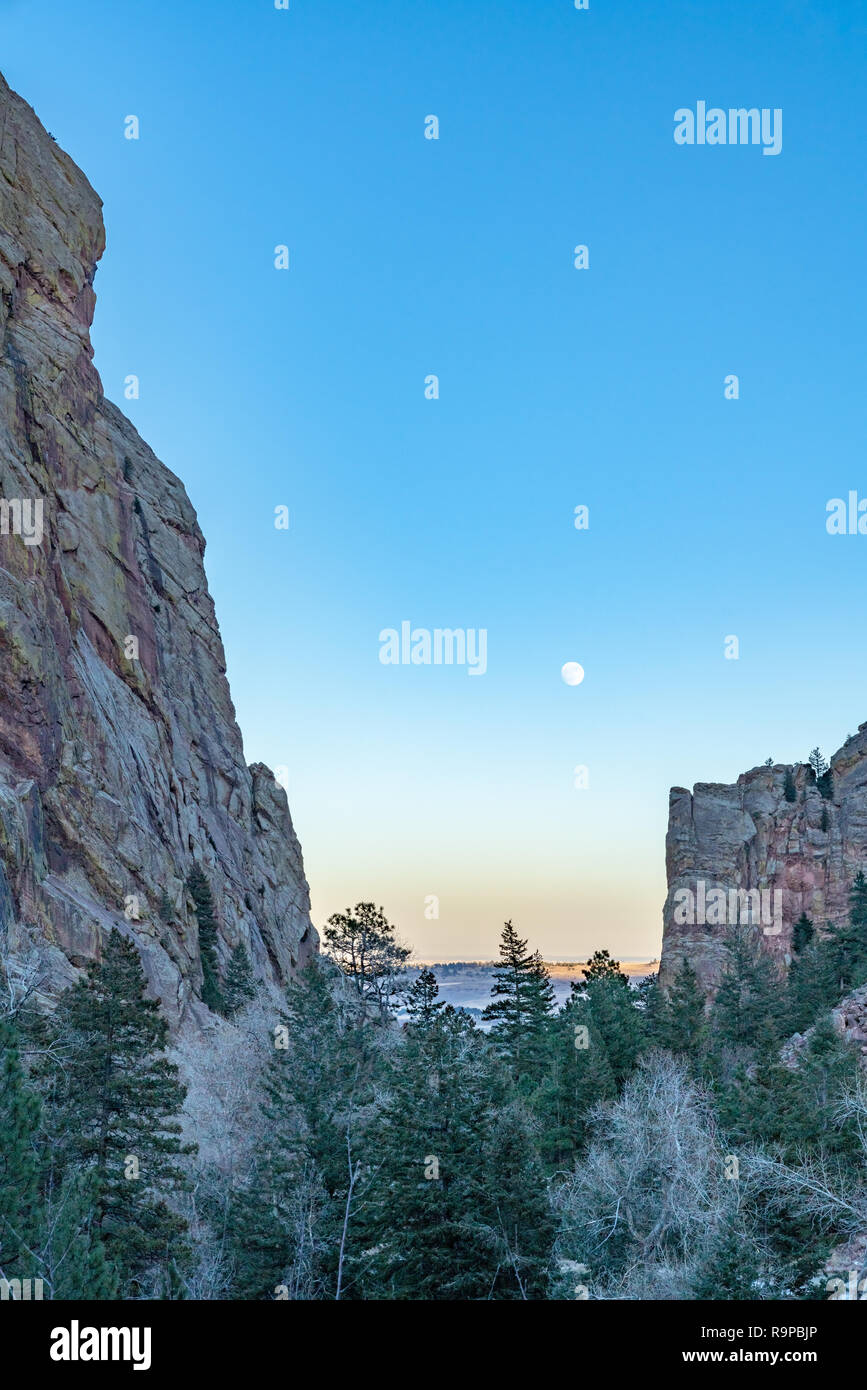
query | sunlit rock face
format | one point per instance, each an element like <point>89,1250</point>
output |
<point>753,836</point>
<point>117,771</point>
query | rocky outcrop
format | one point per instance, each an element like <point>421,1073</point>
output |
<point>121,763</point>
<point>772,830</point>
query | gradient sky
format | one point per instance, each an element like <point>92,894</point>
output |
<point>558,387</point>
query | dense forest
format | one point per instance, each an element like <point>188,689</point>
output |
<point>629,1146</point>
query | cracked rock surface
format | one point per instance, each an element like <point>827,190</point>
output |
<point>116,774</point>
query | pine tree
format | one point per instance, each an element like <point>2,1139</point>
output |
<point>602,966</point>
<point>286,1226</point>
<point>239,986</point>
<point>72,1255</point>
<point>365,946</point>
<point>115,1110</point>
<point>20,1111</point>
<point>608,1001</point>
<point>802,933</point>
<point>578,1076</point>
<point>813,983</point>
<point>849,940</point>
<point>523,999</point>
<point>749,997</point>
<point>422,1003</point>
<point>732,1270</point>
<point>817,763</point>
<point>200,891</point>
<point>517,1207</point>
<point>681,1025</point>
<point>430,1223</point>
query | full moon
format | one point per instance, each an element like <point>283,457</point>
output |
<point>572,673</point>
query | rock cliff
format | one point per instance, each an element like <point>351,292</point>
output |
<point>121,763</point>
<point>773,830</point>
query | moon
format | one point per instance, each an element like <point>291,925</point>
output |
<point>572,673</point>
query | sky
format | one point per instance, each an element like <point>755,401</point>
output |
<point>423,787</point>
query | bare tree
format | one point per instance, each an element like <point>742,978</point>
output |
<point>642,1209</point>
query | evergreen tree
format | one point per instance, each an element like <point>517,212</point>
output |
<point>71,1252</point>
<point>516,1203</point>
<point>200,891</point>
<point>605,999</point>
<point>578,1076</point>
<point>793,1108</point>
<point>365,946</point>
<point>848,941</point>
<point>817,763</point>
<point>20,1111</point>
<point>239,987</point>
<point>813,984</point>
<point>422,1003</point>
<point>523,999</point>
<point>115,1110</point>
<point>802,933</point>
<point>680,1024</point>
<point>602,966</point>
<point>294,1223</point>
<point>426,1218</point>
<point>732,1271</point>
<point>748,1000</point>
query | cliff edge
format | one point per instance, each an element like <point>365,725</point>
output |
<point>121,763</point>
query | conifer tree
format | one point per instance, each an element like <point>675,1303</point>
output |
<point>848,941</point>
<point>749,997</point>
<point>732,1270</point>
<point>813,983</point>
<point>605,998</point>
<point>523,1000</point>
<point>603,966</point>
<point>71,1253</point>
<point>577,1077</point>
<point>802,933</point>
<point>365,946</point>
<point>430,1220</point>
<point>422,1003</point>
<point>239,986</point>
<point>115,1110</point>
<point>200,891</point>
<point>817,763</point>
<point>294,1222</point>
<point>19,1166</point>
<point>681,1023</point>
<point>518,1208</point>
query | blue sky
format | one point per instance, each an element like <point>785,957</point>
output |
<point>557,387</point>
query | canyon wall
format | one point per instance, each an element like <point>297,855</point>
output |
<point>750,835</point>
<point>121,762</point>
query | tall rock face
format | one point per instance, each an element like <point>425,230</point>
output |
<point>121,764</point>
<point>804,846</point>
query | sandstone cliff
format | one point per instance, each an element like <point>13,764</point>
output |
<point>751,836</point>
<point>116,773</point>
